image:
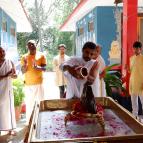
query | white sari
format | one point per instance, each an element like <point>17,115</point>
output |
<point>7,112</point>
<point>101,69</point>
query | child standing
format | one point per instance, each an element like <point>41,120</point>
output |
<point>136,77</point>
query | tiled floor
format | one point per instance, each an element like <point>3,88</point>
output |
<point>21,128</point>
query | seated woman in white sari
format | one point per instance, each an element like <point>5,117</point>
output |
<point>7,112</point>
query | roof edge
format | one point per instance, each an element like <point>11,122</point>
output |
<point>81,3</point>
<point>21,2</point>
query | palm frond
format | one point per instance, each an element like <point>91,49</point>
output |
<point>112,80</point>
<point>108,68</point>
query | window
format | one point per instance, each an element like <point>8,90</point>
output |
<point>4,26</point>
<point>12,31</point>
<point>80,31</point>
<point>90,26</point>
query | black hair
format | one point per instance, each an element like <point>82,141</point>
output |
<point>89,45</point>
<point>137,44</point>
<point>61,45</point>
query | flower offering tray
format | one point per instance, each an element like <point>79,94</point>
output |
<point>47,124</point>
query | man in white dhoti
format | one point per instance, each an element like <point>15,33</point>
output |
<point>97,56</point>
<point>72,67</point>
<point>33,64</point>
<point>7,112</point>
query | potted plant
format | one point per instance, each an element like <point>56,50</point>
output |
<point>112,80</point>
<point>114,87</point>
<point>18,96</point>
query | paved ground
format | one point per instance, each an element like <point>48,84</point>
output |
<point>51,90</point>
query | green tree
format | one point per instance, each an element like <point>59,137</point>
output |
<point>64,9</point>
<point>68,39</point>
<point>51,36</point>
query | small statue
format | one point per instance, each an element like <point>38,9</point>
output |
<point>86,108</point>
<point>88,100</point>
